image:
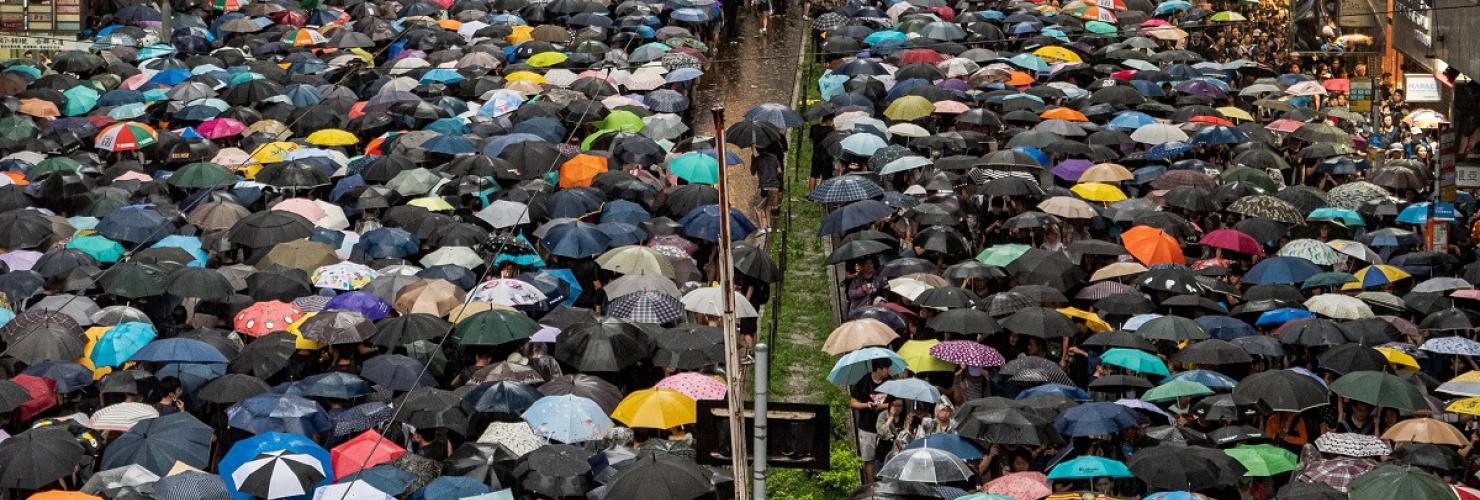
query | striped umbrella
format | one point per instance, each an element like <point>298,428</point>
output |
<point>278,474</point>
<point>126,136</point>
<point>304,37</point>
<point>122,416</point>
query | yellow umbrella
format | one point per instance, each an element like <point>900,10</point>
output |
<point>93,334</point>
<point>433,203</point>
<point>910,107</point>
<point>657,408</point>
<point>302,342</point>
<point>1096,191</point>
<point>546,59</point>
<point>1091,320</point>
<point>528,76</point>
<point>1468,406</point>
<point>364,54</point>
<point>273,152</point>
<point>1398,358</point>
<point>916,354</point>
<point>1058,53</point>
<point>519,33</point>
<point>1106,172</point>
<point>1235,113</point>
<point>333,137</point>
<point>250,171</point>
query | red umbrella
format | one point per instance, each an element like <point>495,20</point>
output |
<point>263,318</point>
<point>1233,241</point>
<point>43,395</point>
<point>921,56</point>
<point>1337,85</point>
<point>1211,120</point>
<point>363,451</point>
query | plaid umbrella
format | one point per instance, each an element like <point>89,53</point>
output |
<point>1337,472</point>
<point>845,189</point>
<point>646,307</point>
<point>831,21</point>
<point>190,485</point>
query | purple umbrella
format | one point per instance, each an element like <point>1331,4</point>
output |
<point>367,304</point>
<point>21,260</point>
<point>1070,170</point>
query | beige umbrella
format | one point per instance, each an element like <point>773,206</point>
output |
<point>270,127</point>
<point>709,300</point>
<point>633,283</point>
<point>299,254</point>
<point>1109,173</point>
<point>1068,208</point>
<point>908,288</point>
<point>436,297</point>
<point>1117,270</point>
<point>217,215</point>
<point>458,256</point>
<point>1425,430</point>
<point>516,436</point>
<point>928,279</point>
<point>1338,306</point>
<point>858,334</point>
<point>635,259</point>
<point>333,218</point>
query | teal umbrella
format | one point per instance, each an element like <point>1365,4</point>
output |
<point>855,365</point>
<point>80,100</point>
<point>18,128</point>
<point>119,343</point>
<point>128,111</point>
<point>1342,215</point>
<point>1175,389</point>
<point>1002,255</point>
<point>1088,466</point>
<point>695,167</point>
<point>1134,360</point>
<point>100,248</point>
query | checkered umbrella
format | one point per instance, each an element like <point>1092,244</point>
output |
<point>646,307</point>
<point>845,189</point>
<point>831,21</point>
<point>1337,472</point>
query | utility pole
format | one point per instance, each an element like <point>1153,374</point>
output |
<point>735,396</point>
<point>762,394</point>
<point>166,11</point>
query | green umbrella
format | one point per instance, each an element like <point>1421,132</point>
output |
<point>1175,389</point>
<point>54,164</point>
<point>132,280</point>
<point>621,120</point>
<point>1329,278</point>
<point>1100,27</point>
<point>1263,460</point>
<point>1135,360</point>
<point>201,176</point>
<point>1379,389</point>
<point>695,167</point>
<point>18,128</point>
<point>1001,255</point>
<point>100,248</point>
<point>80,100</point>
<point>494,327</point>
<point>1399,481</point>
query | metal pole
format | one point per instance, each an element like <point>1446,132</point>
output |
<point>166,11</point>
<point>762,393</point>
<point>727,320</point>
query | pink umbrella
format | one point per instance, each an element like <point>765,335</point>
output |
<point>134,176</point>
<point>1021,485</point>
<point>136,81</point>
<point>217,128</point>
<point>695,385</point>
<point>301,206</point>
<point>21,260</point>
<point>1233,241</point>
<point>1152,23</point>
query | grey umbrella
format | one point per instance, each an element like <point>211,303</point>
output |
<point>129,481</point>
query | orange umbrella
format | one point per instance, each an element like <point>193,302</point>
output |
<point>1020,79</point>
<point>1066,114</point>
<point>579,171</point>
<point>40,108</point>
<point>62,495</point>
<point>1152,246</point>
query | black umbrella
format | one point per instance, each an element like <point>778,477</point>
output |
<point>606,345</point>
<point>36,458</point>
<point>1311,332</point>
<point>231,388</point>
<point>1005,425</point>
<point>338,327</point>
<point>1300,490</point>
<point>1260,345</point>
<point>754,134</point>
<point>660,476</point>
<point>266,355</point>
<point>269,227</point>
<point>396,372</point>
<point>402,330</point>
<point>1212,352</point>
<point>1053,269</point>
<point>1349,358</point>
<point>488,463</point>
<point>501,397</point>
<point>964,321</point>
<point>429,408</point>
<point>1040,322</point>
<point>1281,390</point>
<point>1173,467</point>
<point>1433,456</point>
<point>606,395</point>
<point>555,470</point>
<point>198,282</point>
<point>1173,329</point>
<point>949,297</point>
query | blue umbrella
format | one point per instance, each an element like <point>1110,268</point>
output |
<point>157,443</point>
<point>247,449</point>
<point>1208,378</point>
<point>1417,213</point>
<point>446,76</point>
<point>854,215</point>
<point>1067,391</point>
<point>454,126</point>
<point>1219,134</point>
<point>451,488</point>
<point>387,243</point>
<point>952,443</point>
<point>335,385</point>
<point>278,413</point>
<point>622,233</point>
<point>384,477</point>
<point>1282,315</point>
<point>302,95</point>
<point>358,418</point>
<point>496,145</point>
<point>912,389</point>
<point>855,365</point>
<point>1225,327</point>
<point>572,203</point>
<point>624,211</point>
<point>119,343</point>
<point>190,244</point>
<point>573,285</point>
<point>68,376</point>
<point>1095,419</point>
<point>1130,120</point>
<point>568,419</point>
<point>193,376</point>
<point>179,350</point>
<point>1283,270</point>
<point>544,127</point>
<point>135,224</point>
<point>1347,217</point>
<point>374,308</point>
<point>576,240</point>
<point>1087,467</point>
<point>704,222</point>
<point>449,145</point>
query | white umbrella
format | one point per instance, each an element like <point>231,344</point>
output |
<point>926,465</point>
<point>457,256</point>
<point>121,417</point>
<point>1338,306</point>
<point>278,474</point>
<point>708,300</point>
<point>509,292</point>
<point>1158,133</point>
<point>353,490</point>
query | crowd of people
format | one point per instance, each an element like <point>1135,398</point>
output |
<point>370,250</point>
<point>1122,249</point>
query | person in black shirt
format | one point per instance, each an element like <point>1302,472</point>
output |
<point>822,161</point>
<point>866,409</point>
<point>767,169</point>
